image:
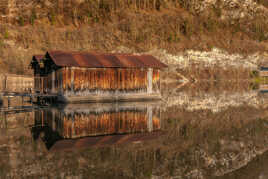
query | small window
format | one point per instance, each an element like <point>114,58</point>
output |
<point>42,64</point>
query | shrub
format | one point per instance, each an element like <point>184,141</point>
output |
<point>21,21</point>
<point>6,34</point>
<point>52,18</point>
<point>33,17</point>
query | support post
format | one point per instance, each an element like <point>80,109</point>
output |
<point>5,83</point>
<point>150,118</point>
<point>53,120</point>
<point>53,81</point>
<point>8,101</point>
<point>150,80</point>
<point>72,79</point>
<point>159,81</point>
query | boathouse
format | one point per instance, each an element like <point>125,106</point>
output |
<point>82,76</point>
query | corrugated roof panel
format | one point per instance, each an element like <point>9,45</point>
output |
<point>112,60</point>
<point>95,60</point>
<point>150,61</point>
<point>63,59</point>
<point>131,61</point>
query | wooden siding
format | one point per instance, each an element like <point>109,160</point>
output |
<point>83,81</point>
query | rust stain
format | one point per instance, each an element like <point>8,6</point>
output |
<point>105,79</point>
<point>95,60</point>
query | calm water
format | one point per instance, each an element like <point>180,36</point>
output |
<point>197,131</point>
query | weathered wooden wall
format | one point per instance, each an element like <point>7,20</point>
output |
<point>83,81</point>
<point>75,124</point>
<point>16,83</point>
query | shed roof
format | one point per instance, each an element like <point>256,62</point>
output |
<point>96,60</point>
<point>38,57</point>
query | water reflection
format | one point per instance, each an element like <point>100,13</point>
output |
<point>200,131</point>
<point>106,123</point>
<point>257,169</point>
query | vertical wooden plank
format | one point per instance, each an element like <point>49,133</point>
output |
<point>85,81</point>
<point>63,83</point>
<point>89,79</point>
<point>159,82</point>
<point>5,83</point>
<point>72,80</point>
<point>150,118</point>
<point>42,84</point>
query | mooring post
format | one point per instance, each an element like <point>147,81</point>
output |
<point>8,101</point>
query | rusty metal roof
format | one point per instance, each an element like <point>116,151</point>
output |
<point>97,60</point>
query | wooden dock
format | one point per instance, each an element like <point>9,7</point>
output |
<point>33,97</point>
<point>19,109</point>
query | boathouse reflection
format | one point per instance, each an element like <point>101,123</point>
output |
<point>102,123</point>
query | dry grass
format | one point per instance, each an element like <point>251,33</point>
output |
<point>139,25</point>
<point>215,73</point>
<point>263,2</point>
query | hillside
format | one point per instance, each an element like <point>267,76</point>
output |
<point>29,27</point>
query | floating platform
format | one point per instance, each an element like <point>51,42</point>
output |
<point>108,98</point>
<point>51,98</point>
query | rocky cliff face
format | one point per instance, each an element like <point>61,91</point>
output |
<point>225,9</point>
<point>230,9</point>
<point>180,32</point>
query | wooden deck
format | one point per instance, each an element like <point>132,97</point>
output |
<point>23,94</point>
<point>108,98</point>
<point>19,109</point>
<point>32,97</point>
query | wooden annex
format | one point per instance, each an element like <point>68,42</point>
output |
<point>81,77</point>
